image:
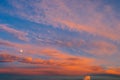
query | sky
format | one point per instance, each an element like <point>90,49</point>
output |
<point>59,37</point>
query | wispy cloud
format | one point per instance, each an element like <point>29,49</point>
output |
<point>101,48</point>
<point>17,33</point>
<point>82,16</point>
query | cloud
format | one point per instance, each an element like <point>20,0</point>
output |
<point>5,43</point>
<point>13,58</point>
<point>94,47</point>
<point>98,49</point>
<point>51,54</point>
<point>113,70</point>
<point>64,65</point>
<point>91,17</point>
<point>53,67</point>
<point>55,61</point>
<point>70,66</point>
<point>7,58</point>
<point>103,32</point>
<point>48,51</point>
<point>101,48</point>
<point>19,34</point>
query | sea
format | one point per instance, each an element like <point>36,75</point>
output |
<point>23,77</point>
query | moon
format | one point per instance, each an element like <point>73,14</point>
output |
<point>21,50</point>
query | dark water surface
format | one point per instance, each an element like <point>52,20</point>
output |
<point>21,77</point>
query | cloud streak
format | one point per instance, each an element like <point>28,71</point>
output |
<point>101,48</point>
<point>19,34</point>
<point>54,67</point>
<point>82,16</point>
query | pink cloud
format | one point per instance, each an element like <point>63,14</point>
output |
<point>19,34</point>
<point>82,16</point>
<point>102,48</point>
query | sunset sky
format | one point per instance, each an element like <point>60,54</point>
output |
<point>60,37</point>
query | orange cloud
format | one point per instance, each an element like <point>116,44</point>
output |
<point>64,63</point>
<point>113,71</point>
<point>7,58</point>
<point>98,49</point>
<point>53,67</point>
<point>58,62</point>
<point>38,50</point>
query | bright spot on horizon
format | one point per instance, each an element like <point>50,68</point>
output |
<point>87,78</point>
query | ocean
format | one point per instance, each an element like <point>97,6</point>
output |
<point>23,77</point>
